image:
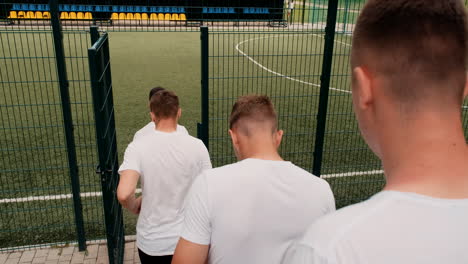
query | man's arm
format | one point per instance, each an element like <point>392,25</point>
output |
<point>195,238</point>
<point>126,191</point>
<point>190,253</point>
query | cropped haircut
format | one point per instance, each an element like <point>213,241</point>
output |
<point>155,90</point>
<point>419,46</point>
<point>253,109</point>
<point>164,104</point>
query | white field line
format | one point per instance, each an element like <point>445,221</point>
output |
<point>98,194</point>
<point>52,197</point>
<point>280,74</point>
<point>350,174</point>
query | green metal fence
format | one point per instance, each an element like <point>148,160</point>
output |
<point>49,192</point>
<point>304,69</point>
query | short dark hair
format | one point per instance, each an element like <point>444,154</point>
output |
<point>155,90</point>
<point>420,46</point>
<point>164,104</point>
<point>253,108</point>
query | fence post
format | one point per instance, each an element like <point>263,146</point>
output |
<point>303,10</point>
<point>203,127</point>
<point>324,86</point>
<point>345,16</point>
<point>68,122</point>
<point>94,34</point>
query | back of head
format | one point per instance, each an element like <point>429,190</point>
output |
<point>164,104</point>
<point>253,113</point>
<point>418,48</point>
<point>154,91</point>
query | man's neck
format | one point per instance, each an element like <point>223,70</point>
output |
<point>427,159</point>
<point>166,125</point>
<point>259,148</point>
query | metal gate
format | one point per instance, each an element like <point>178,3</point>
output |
<point>101,83</point>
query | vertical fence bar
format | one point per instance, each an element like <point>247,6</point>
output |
<point>203,127</point>
<point>345,16</point>
<point>68,122</point>
<point>94,34</point>
<point>325,86</point>
<point>303,10</point>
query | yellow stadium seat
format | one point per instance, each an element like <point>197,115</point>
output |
<point>144,16</point>
<point>30,14</point>
<point>137,16</point>
<point>13,14</point>
<point>122,16</point>
<point>21,14</point>
<point>153,16</point>
<point>80,15</point>
<point>72,15</point>
<point>167,17</point>
<point>160,16</point>
<point>114,16</point>
<point>182,17</point>
<point>175,17</point>
<point>64,15</point>
<point>38,15</point>
<point>88,16</point>
<point>46,15</point>
<point>129,16</point>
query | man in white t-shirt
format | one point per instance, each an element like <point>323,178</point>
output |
<point>149,128</point>
<point>409,79</point>
<point>166,162</point>
<point>250,211</point>
<point>290,10</point>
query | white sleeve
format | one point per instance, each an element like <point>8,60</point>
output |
<point>182,129</point>
<point>205,158</point>
<point>197,223</point>
<point>131,160</point>
<point>137,134</point>
<point>331,207</point>
<point>301,254</point>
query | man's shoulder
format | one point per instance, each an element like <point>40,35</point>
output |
<point>342,224</point>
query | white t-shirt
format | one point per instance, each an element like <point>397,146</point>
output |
<point>252,210</point>
<point>391,227</point>
<point>291,5</point>
<point>167,164</point>
<point>150,127</point>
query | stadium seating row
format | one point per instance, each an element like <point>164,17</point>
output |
<point>255,10</point>
<point>218,10</point>
<point>100,8</point>
<point>144,16</point>
<point>29,15</point>
<point>76,15</point>
<point>89,16</point>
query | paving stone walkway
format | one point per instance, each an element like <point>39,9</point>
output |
<point>94,254</point>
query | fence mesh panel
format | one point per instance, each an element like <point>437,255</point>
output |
<point>35,192</point>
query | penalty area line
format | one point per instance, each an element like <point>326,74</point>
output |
<point>52,197</point>
<point>280,74</point>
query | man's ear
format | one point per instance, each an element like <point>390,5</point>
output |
<point>153,117</point>
<point>465,93</point>
<point>278,137</point>
<point>179,113</point>
<point>235,140</point>
<point>362,88</point>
